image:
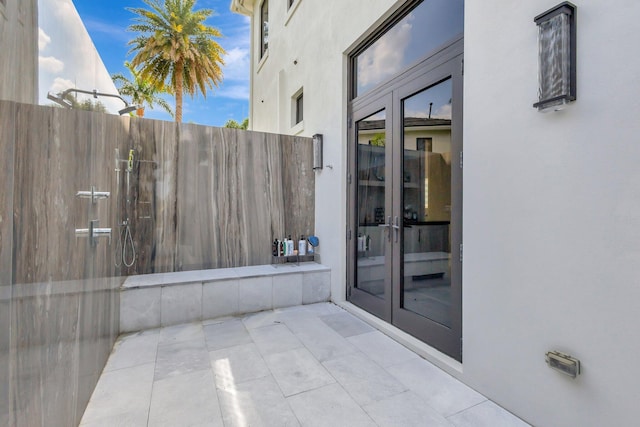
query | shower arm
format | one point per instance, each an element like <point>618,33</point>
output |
<point>60,99</point>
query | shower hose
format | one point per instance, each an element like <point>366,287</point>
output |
<point>125,245</point>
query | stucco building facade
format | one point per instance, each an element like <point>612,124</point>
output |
<point>539,211</point>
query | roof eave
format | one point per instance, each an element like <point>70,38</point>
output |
<point>243,7</point>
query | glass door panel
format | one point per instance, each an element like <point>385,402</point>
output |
<point>426,203</point>
<point>405,209</point>
<point>372,227</point>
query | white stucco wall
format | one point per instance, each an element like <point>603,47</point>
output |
<point>551,201</point>
<point>552,217</point>
<point>317,35</point>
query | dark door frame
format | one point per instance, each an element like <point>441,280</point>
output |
<point>447,62</point>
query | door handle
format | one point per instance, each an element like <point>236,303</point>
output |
<point>387,226</point>
<point>396,227</point>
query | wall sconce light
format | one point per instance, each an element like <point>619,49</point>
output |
<point>556,57</point>
<point>317,151</point>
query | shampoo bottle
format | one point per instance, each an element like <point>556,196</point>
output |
<point>302,246</point>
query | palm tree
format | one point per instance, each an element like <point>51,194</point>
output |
<point>233,124</point>
<point>142,91</point>
<point>175,45</point>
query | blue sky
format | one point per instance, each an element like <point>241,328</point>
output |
<point>107,22</point>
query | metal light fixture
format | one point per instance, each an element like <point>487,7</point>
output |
<point>317,151</point>
<point>61,99</point>
<point>556,57</point>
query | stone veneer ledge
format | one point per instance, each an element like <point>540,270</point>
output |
<point>162,299</point>
<point>216,274</point>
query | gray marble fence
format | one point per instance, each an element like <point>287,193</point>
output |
<point>192,197</point>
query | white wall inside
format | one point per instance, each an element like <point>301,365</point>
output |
<point>552,217</point>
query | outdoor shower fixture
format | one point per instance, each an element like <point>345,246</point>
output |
<point>60,99</point>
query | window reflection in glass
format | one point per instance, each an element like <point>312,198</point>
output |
<point>426,202</point>
<point>371,238</point>
<point>427,27</point>
<point>264,28</point>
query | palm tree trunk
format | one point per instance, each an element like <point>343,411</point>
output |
<point>179,70</point>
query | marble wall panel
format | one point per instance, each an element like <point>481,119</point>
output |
<point>63,300</point>
<point>7,118</point>
<point>237,191</point>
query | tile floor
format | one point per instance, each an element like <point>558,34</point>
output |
<point>312,365</point>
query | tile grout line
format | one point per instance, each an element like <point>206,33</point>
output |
<point>271,372</point>
<point>153,378</point>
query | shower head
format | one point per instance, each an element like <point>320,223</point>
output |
<point>129,109</point>
<point>59,100</point>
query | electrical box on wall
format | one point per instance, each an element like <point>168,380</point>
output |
<point>563,363</point>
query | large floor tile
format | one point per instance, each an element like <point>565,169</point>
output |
<point>407,410</point>
<point>226,334</point>
<point>382,349</point>
<point>185,400</point>
<point>328,406</point>
<point>128,419</point>
<point>181,333</point>
<point>238,364</point>
<point>322,341</point>
<point>346,324</point>
<point>440,390</point>
<point>363,379</point>
<point>297,371</point>
<point>181,358</point>
<point>121,395</point>
<point>486,414</point>
<point>318,309</point>
<point>134,349</point>
<point>256,403</point>
<point>274,339</point>
<point>264,318</point>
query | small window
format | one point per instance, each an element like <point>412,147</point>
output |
<point>264,28</point>
<point>299,108</point>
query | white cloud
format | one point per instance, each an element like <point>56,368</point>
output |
<point>443,112</point>
<point>236,64</point>
<point>385,57</point>
<point>43,39</point>
<point>114,31</point>
<point>60,84</point>
<point>50,64</point>
<point>233,92</point>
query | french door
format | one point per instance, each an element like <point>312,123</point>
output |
<point>405,223</point>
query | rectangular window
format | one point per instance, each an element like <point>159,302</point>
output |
<point>264,27</point>
<point>403,42</point>
<point>299,108</point>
